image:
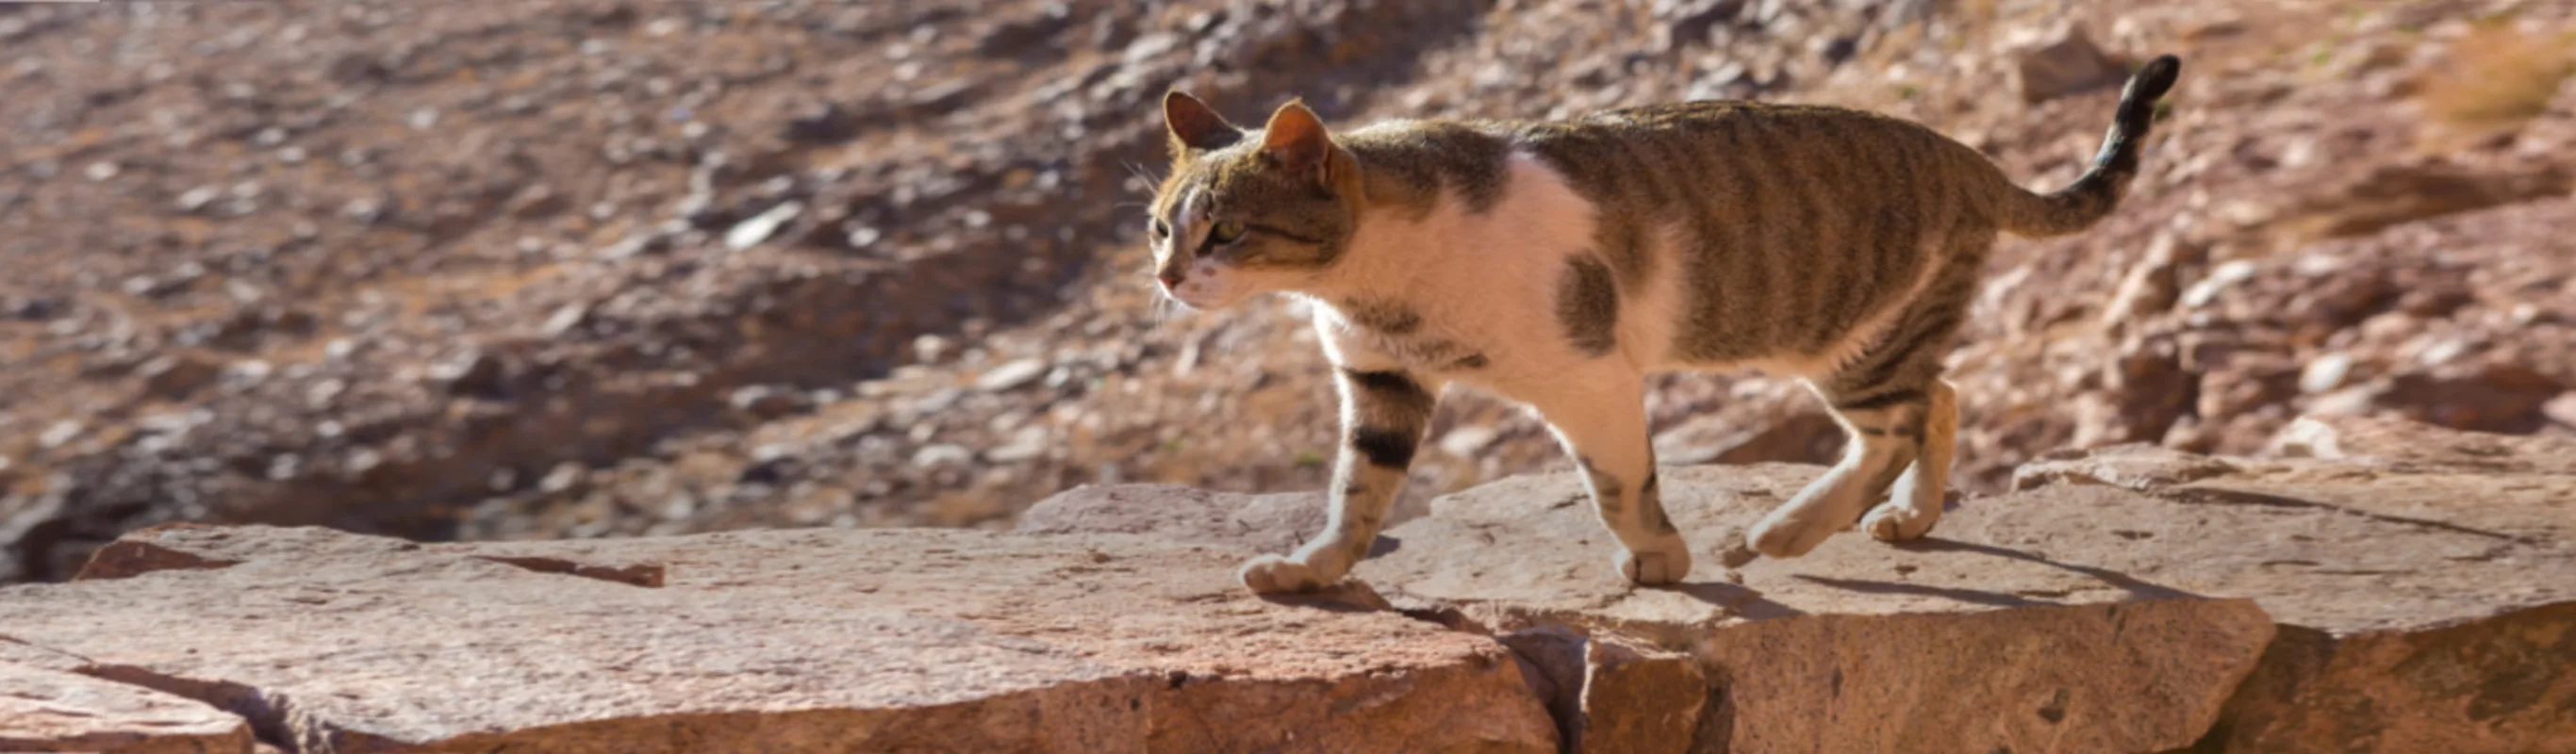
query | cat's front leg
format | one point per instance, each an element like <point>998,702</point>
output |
<point>1384,413</point>
<point>1600,416</point>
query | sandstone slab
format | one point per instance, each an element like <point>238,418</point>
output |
<point>2406,446</point>
<point>1265,523</point>
<point>2424,580</point>
<point>1861,647</point>
<point>814,640</point>
<point>52,709</point>
<point>1965,645</point>
<point>2397,595</point>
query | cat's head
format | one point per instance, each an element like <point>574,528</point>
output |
<point>1249,212</point>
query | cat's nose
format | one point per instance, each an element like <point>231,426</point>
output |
<point>1172,277</point>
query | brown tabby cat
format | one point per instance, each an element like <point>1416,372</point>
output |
<point>1557,263</point>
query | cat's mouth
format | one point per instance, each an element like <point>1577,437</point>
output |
<point>1196,303</point>
<point>1201,290</point>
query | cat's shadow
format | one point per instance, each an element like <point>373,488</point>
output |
<point>1354,596</point>
<point>2136,587</point>
<point>1743,601</point>
<point>1748,603</point>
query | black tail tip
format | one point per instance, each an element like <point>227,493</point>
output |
<point>2153,80</point>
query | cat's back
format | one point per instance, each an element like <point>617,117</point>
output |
<point>1824,147</point>
<point>1782,229</point>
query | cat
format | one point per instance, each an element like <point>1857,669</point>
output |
<point>1557,263</point>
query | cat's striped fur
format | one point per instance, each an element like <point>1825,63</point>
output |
<point>1557,263</point>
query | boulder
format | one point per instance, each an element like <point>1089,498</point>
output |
<point>2052,63</point>
<point>811,640</point>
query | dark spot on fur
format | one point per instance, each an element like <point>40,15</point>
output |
<point>1384,448</point>
<point>1393,385</point>
<point>1613,505</point>
<point>1391,399</point>
<point>1650,496</point>
<point>1881,400</point>
<point>1587,304</point>
<point>1606,487</point>
<point>1384,316</point>
<point>1424,351</point>
<point>1471,361</point>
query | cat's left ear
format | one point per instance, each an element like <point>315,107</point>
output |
<point>1195,127</point>
<point>1296,139</point>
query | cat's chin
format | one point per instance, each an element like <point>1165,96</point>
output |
<point>1205,303</point>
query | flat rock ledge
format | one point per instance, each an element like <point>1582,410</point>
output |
<point>2390,588</point>
<point>769,641</point>
<point>2383,586</point>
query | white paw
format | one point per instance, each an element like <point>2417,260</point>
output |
<point>1656,567</point>
<point>1278,574</point>
<point>1898,523</point>
<point>1781,536</point>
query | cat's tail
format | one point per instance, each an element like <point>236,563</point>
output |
<point>2092,197</point>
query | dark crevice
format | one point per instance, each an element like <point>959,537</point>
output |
<point>633,574</point>
<point>67,657</point>
<point>1551,659</point>
<point>2295,655</point>
<point>266,712</point>
<point>128,558</point>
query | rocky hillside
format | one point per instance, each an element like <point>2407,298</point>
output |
<point>576,268</point>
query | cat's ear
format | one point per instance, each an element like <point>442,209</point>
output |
<point>1195,127</point>
<point>1297,140</point>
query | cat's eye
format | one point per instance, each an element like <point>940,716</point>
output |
<point>1161,230</point>
<point>1226,231</point>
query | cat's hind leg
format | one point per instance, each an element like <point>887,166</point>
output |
<point>1880,445</point>
<point>1914,506</point>
<point>1902,419</point>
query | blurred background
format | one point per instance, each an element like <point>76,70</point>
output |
<point>581,268</point>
